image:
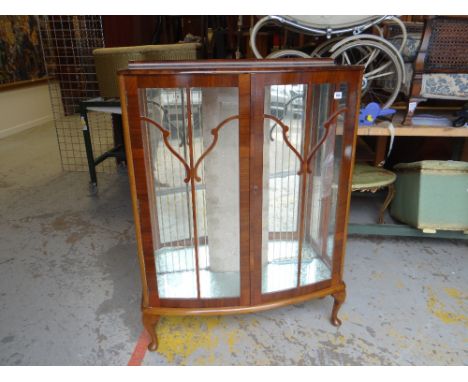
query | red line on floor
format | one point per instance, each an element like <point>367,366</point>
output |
<point>140,349</point>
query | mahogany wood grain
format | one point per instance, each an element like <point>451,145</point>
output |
<point>345,182</point>
<point>150,321</point>
<point>133,191</point>
<point>235,66</point>
<point>339,298</point>
<point>242,309</point>
<point>244,187</point>
<point>199,303</point>
<point>257,92</point>
<point>138,160</point>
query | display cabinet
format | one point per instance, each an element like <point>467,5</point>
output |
<point>240,180</point>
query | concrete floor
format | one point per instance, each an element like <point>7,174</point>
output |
<point>70,290</point>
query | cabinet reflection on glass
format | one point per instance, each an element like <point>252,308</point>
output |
<point>240,175</point>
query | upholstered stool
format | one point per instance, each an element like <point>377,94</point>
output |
<point>110,60</point>
<point>367,178</point>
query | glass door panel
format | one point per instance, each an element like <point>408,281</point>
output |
<point>322,183</point>
<point>284,130</point>
<point>301,160</point>
<point>192,149</point>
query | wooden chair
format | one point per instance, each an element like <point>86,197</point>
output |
<point>441,67</point>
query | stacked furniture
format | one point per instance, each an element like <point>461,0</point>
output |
<point>441,67</point>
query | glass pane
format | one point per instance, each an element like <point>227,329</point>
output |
<point>322,185</point>
<point>170,197</point>
<point>218,190</point>
<point>190,215</point>
<point>281,186</point>
<point>299,206</point>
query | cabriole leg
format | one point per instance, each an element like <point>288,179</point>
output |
<point>150,322</point>
<point>339,299</point>
<point>388,200</point>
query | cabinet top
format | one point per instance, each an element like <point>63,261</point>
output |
<point>231,66</point>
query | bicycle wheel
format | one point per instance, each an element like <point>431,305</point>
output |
<point>382,69</point>
<point>322,49</point>
<point>287,53</point>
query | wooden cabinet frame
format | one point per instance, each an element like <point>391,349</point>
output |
<point>250,77</point>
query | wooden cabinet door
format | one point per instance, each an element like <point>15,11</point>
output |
<point>303,129</point>
<point>190,140</point>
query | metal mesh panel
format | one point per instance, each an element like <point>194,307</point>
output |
<point>67,44</point>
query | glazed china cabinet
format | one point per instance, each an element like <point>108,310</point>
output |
<point>240,178</point>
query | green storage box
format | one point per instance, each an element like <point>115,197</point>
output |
<point>432,195</point>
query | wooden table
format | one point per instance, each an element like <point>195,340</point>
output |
<point>382,133</point>
<point>415,131</point>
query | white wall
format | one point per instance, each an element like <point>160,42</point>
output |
<point>23,108</point>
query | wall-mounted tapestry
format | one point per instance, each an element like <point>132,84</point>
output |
<point>20,49</point>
